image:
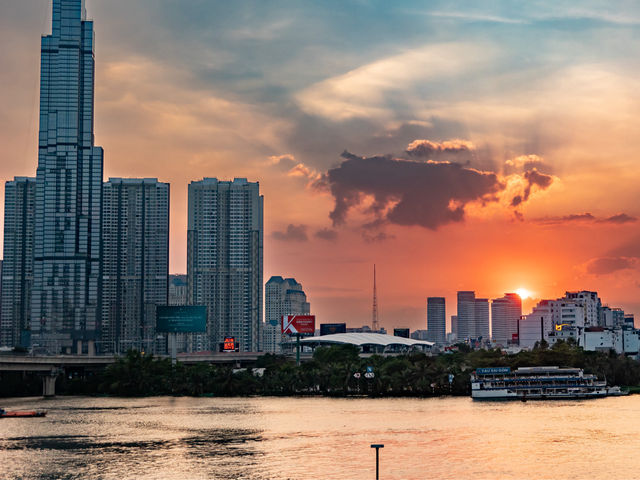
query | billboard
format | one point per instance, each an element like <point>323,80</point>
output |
<point>401,332</point>
<point>493,370</point>
<point>331,328</point>
<point>181,319</point>
<point>299,324</point>
<point>229,344</point>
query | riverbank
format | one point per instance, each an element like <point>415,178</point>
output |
<point>334,371</point>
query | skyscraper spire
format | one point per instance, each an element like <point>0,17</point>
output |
<point>374,314</point>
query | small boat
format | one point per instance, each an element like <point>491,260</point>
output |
<point>616,392</point>
<point>21,414</point>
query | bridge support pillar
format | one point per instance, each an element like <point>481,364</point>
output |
<point>49,385</point>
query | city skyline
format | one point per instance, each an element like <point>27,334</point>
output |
<point>564,217</point>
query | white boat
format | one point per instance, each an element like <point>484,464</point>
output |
<point>535,383</point>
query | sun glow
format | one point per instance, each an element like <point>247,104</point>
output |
<point>523,293</point>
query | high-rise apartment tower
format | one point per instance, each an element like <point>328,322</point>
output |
<point>17,267</point>
<point>135,262</point>
<point>224,260</point>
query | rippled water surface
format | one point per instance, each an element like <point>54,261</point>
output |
<point>318,438</point>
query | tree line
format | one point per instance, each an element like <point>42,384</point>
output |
<point>333,371</point>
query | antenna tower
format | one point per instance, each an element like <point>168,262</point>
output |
<point>374,313</point>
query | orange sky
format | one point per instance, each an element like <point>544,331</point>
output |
<point>231,99</point>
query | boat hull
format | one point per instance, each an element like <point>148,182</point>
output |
<point>22,414</point>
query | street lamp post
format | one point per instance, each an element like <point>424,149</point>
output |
<point>377,446</point>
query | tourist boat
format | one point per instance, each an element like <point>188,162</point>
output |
<point>535,383</point>
<point>23,414</point>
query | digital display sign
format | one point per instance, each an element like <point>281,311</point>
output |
<point>229,344</point>
<point>401,332</point>
<point>299,324</point>
<point>181,319</point>
<point>331,328</point>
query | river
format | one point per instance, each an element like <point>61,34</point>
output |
<point>320,438</point>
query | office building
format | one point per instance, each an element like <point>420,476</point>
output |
<point>224,260</point>
<point>505,313</point>
<point>481,318</point>
<point>466,316</point>
<point>65,301</point>
<point>436,320</point>
<point>17,266</point>
<point>135,263</point>
<point>283,296</point>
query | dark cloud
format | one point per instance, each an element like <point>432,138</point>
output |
<point>293,233</point>
<point>326,234</point>
<point>375,237</point>
<point>619,218</point>
<point>534,177</point>
<point>587,217</point>
<point>407,192</point>
<point>606,265</point>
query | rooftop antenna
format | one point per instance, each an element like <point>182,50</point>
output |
<point>374,314</point>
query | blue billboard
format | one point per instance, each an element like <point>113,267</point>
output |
<point>181,319</point>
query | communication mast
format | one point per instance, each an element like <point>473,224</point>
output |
<point>374,314</point>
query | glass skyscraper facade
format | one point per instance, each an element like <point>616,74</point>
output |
<point>224,260</point>
<point>436,320</point>
<point>65,302</point>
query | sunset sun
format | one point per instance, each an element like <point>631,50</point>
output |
<point>523,293</point>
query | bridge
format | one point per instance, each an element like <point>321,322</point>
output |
<point>49,367</point>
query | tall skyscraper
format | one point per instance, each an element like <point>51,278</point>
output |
<point>17,267</point>
<point>283,296</point>
<point>505,313</point>
<point>481,318</point>
<point>65,302</point>
<point>224,260</point>
<point>135,262</point>
<point>466,318</point>
<point>436,320</point>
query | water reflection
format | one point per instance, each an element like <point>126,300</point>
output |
<point>318,438</point>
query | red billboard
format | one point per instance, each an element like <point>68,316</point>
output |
<point>229,344</point>
<point>299,324</point>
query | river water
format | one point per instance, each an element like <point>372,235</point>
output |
<point>320,438</point>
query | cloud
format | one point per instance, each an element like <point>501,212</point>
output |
<point>405,192</point>
<point>526,163</point>
<point>326,234</point>
<point>368,90</point>
<point>587,217</point>
<point>427,148</point>
<point>619,218</point>
<point>532,178</point>
<point>283,162</point>
<point>607,265</point>
<point>288,163</point>
<point>293,233</point>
